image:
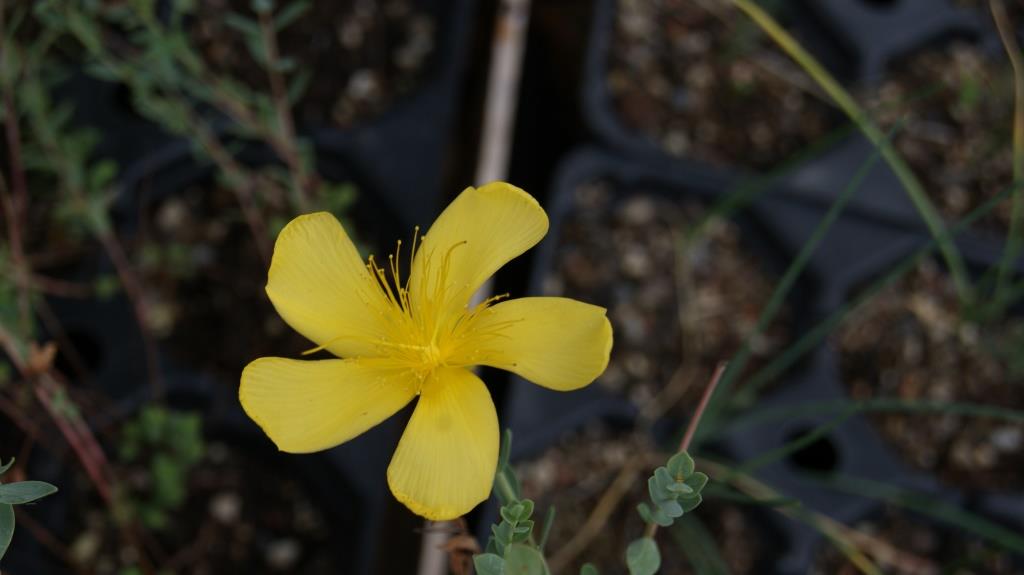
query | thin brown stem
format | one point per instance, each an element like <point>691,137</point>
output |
<point>286,144</point>
<point>241,183</point>
<point>691,429</point>
<point>1014,235</point>
<point>77,434</point>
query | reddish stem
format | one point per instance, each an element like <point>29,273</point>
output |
<point>691,429</point>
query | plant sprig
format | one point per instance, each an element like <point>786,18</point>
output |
<point>17,493</point>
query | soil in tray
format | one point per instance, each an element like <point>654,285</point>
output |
<point>229,523</point>
<point>956,105</point>
<point>922,548</point>
<point>362,56</point>
<point>909,342</point>
<point>699,79</point>
<point>205,279</point>
<point>678,304</point>
<point>577,473</point>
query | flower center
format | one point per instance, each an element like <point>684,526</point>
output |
<point>420,329</point>
<point>424,330</point>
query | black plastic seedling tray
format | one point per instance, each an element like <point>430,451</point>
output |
<point>860,35</point>
<point>855,251</point>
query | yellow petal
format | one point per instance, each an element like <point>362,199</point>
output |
<point>477,233</point>
<point>321,287</point>
<point>306,406</point>
<point>559,343</point>
<point>444,465</point>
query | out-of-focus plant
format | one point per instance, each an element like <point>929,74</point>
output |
<point>145,45</point>
<point>168,445</point>
<point>17,493</point>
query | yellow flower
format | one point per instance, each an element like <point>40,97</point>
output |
<point>419,338</point>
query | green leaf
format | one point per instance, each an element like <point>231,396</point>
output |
<point>6,527</point>
<point>510,513</point>
<point>671,508</point>
<point>690,503</point>
<point>657,491</point>
<point>502,534</point>
<point>588,569</point>
<point>655,515</point>
<point>262,6</point>
<point>25,492</point>
<point>681,465</point>
<point>524,560</point>
<point>102,174</point>
<point>668,481</point>
<point>697,481</point>
<point>523,528</point>
<point>489,564</point>
<point>642,557</point>
<point>289,14</point>
<point>5,467</point>
<point>241,24</point>
<point>298,85</point>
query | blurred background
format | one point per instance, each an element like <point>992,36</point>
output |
<point>828,205</point>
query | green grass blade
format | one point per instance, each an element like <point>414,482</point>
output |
<point>739,360</point>
<point>849,106</point>
<point>809,340</point>
<point>795,445</point>
<point>881,404</point>
<point>724,492</point>
<point>928,506</point>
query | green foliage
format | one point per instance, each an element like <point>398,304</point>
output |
<point>18,493</point>
<point>515,527</point>
<point>169,444</point>
<point>674,490</point>
<point>589,569</point>
<point>519,559</point>
<point>489,564</point>
<point>511,548</point>
<point>522,559</point>
<point>24,492</point>
<point>6,527</point>
<point>642,557</point>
